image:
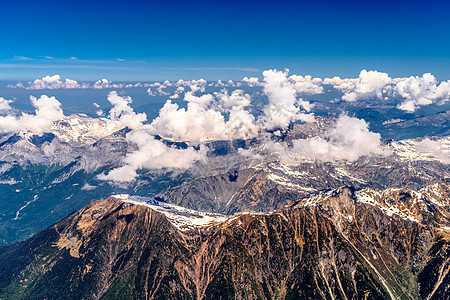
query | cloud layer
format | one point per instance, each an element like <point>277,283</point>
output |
<point>418,91</point>
<point>122,112</point>
<point>284,107</point>
<point>410,92</point>
<point>368,86</point>
<point>349,139</point>
<point>48,110</point>
<point>203,120</point>
<point>151,154</point>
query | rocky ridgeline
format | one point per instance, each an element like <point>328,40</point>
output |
<point>343,244</point>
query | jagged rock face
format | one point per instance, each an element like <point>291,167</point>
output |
<point>211,193</point>
<point>335,246</point>
<point>272,186</point>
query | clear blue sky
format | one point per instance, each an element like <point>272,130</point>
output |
<point>156,40</point>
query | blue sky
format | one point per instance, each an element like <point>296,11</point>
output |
<point>149,40</point>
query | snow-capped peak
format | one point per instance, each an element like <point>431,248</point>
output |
<point>82,130</point>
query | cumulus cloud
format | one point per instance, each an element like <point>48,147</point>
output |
<point>51,83</point>
<point>237,98</point>
<point>439,149</point>
<point>283,107</point>
<point>19,85</point>
<point>179,90</point>
<point>413,91</point>
<point>418,91</point>
<point>107,84</point>
<point>202,100</point>
<point>336,80</point>
<point>252,81</point>
<point>122,111</point>
<point>203,120</point>
<point>197,123</point>
<point>223,115</point>
<point>48,110</point>
<point>4,104</point>
<point>197,88</point>
<point>150,92</point>
<point>55,82</point>
<point>152,154</point>
<point>349,139</point>
<point>369,85</point>
<point>307,85</point>
<point>103,84</point>
<point>159,89</point>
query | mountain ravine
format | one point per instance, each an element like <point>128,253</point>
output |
<point>343,244</point>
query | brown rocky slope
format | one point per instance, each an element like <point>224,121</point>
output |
<point>342,244</point>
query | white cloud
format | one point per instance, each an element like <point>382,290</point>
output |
<point>196,123</point>
<point>336,80</point>
<point>419,91</point>
<point>197,88</point>
<point>123,112</point>
<point>48,110</point>
<point>103,84</point>
<point>159,89</point>
<point>19,85</point>
<point>237,99</point>
<point>55,82</point>
<point>437,149</point>
<point>307,85</point>
<point>4,104</point>
<point>413,91</point>
<point>107,84</point>
<point>50,82</point>
<point>202,100</point>
<point>369,85</point>
<point>162,92</point>
<point>283,107</point>
<point>349,139</point>
<point>152,154</point>
<point>252,81</point>
<point>203,119</point>
<point>179,90</point>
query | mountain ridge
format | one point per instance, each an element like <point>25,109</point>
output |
<point>113,248</point>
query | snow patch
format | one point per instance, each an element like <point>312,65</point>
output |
<point>375,198</point>
<point>180,217</point>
